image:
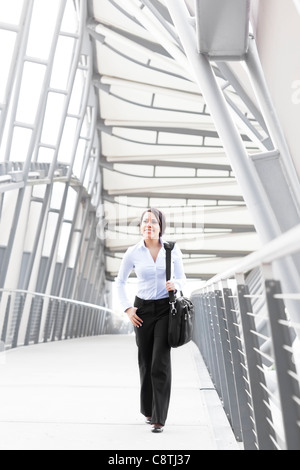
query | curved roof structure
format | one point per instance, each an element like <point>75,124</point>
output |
<point>111,106</point>
<point>159,144</point>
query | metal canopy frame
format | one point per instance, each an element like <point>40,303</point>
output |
<point>157,124</point>
<point>53,203</point>
<point>134,120</point>
<point>147,141</point>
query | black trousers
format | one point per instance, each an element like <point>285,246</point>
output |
<point>154,355</point>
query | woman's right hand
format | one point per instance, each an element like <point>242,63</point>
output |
<point>133,317</point>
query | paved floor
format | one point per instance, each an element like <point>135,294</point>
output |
<point>84,395</point>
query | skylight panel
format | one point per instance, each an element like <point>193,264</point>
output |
<point>62,63</point>
<point>43,24</point>
<point>19,152</point>
<point>12,12</point>
<point>31,88</point>
<point>7,44</point>
<point>53,118</point>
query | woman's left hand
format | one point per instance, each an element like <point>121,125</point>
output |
<point>170,286</point>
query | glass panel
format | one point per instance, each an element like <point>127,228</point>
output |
<point>63,242</point>
<point>53,118</point>
<point>31,89</point>
<point>77,169</point>
<point>49,235</point>
<point>20,144</point>
<point>73,254</point>
<point>62,63</point>
<point>12,11</point>
<point>9,204</point>
<point>7,44</point>
<point>3,145</point>
<point>76,99</point>
<point>45,155</point>
<point>89,174</point>
<point>57,196</point>
<point>33,219</point>
<point>67,143</point>
<point>70,204</point>
<point>85,129</point>
<point>43,24</point>
<point>70,23</point>
<point>39,191</point>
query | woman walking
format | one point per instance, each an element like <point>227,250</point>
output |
<point>150,313</point>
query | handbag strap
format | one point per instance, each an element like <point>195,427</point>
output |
<point>169,247</point>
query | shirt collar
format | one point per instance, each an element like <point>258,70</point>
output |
<point>141,244</point>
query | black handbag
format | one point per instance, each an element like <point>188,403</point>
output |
<point>182,310</point>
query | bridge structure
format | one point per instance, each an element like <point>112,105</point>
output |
<point>108,107</point>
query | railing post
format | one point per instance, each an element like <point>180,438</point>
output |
<point>199,333</point>
<point>215,341</point>
<point>61,321</point>
<point>71,322</point>
<point>85,323</point>
<point>58,320</point>
<point>40,301</point>
<point>47,329</point>
<point>29,323</point>
<point>219,329</point>
<point>210,337</point>
<point>5,324</point>
<point>94,323</point>
<point>242,417</point>
<point>98,323</point>
<point>67,321</point>
<point>91,322</point>
<point>18,321</point>
<point>288,383</point>
<point>34,321</point>
<point>229,391</point>
<point>79,323</point>
<point>265,434</point>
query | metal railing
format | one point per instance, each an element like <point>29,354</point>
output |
<point>31,318</point>
<point>248,333</point>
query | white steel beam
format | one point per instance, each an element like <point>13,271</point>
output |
<point>264,98</point>
<point>255,198</point>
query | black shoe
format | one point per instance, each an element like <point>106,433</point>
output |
<point>157,428</point>
<point>148,420</point>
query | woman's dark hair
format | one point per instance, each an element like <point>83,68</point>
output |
<point>159,216</point>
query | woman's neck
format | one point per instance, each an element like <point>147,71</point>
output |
<point>150,243</point>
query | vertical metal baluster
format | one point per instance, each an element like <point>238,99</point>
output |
<point>265,434</point>
<point>288,383</point>
<point>242,418</point>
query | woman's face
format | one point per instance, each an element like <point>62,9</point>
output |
<point>150,228</point>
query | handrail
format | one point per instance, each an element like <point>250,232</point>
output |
<point>249,337</point>
<point>32,317</point>
<point>61,299</point>
<point>284,245</point>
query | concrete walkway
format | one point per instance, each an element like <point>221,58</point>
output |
<point>84,395</point>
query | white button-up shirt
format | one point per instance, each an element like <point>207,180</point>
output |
<point>151,274</point>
